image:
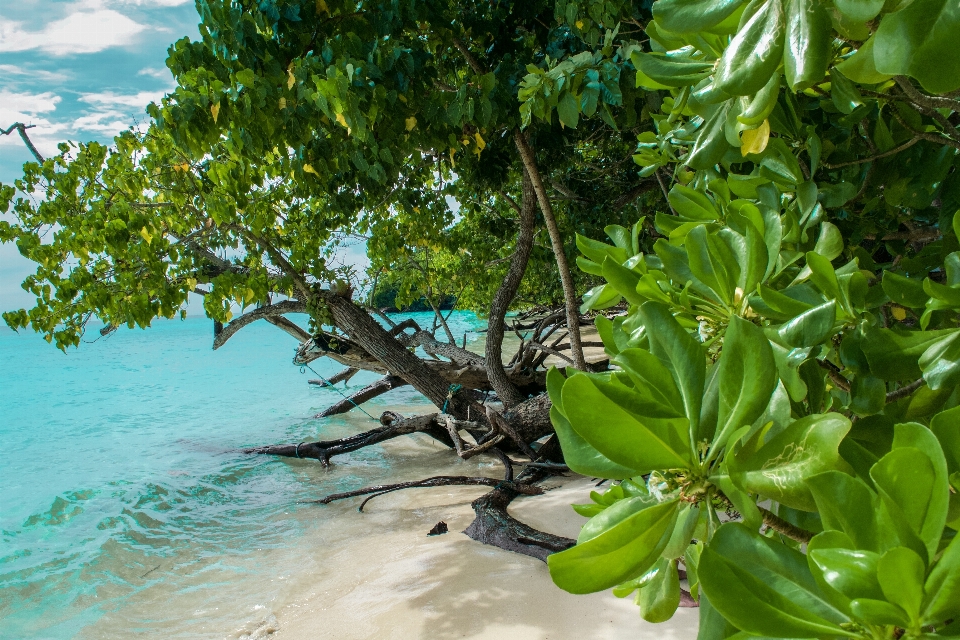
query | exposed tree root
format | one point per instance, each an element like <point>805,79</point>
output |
<point>435,481</point>
<point>343,376</point>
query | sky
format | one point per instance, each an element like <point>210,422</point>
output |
<point>83,70</point>
<point>78,70</point>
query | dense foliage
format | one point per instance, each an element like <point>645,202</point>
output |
<point>784,420</point>
<point>779,183</point>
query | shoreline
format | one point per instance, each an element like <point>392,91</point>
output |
<point>395,582</point>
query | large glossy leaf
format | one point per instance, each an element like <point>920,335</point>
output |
<point>811,327</point>
<point>942,587</point>
<point>620,425</point>
<point>764,587</point>
<point>746,379</point>
<point>809,43</point>
<point>623,280</point>
<point>692,204</point>
<point>614,515</point>
<point>651,377</point>
<point>847,504</point>
<point>623,552</point>
<point>659,599</point>
<point>920,41</point>
<point>903,290</point>
<point>901,573</point>
<point>578,454</point>
<point>946,426</point>
<point>940,363</point>
<point>754,53</point>
<point>681,353</point>
<point>895,355</point>
<point>713,263</point>
<point>905,479</point>
<point>778,469</point>
<point>852,573</point>
<point>691,16</point>
<point>917,436</point>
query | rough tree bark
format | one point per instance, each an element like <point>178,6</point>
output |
<point>566,279</point>
<point>493,352</point>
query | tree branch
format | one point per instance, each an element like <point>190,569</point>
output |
<point>435,481</point>
<point>905,390</point>
<point>22,130</point>
<point>906,145</point>
<point>780,525</point>
<point>286,306</point>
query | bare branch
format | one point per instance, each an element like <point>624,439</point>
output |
<point>435,481</point>
<point>906,145</point>
<point>286,306</point>
<point>22,130</point>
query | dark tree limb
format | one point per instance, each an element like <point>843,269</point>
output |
<point>506,390</point>
<point>435,481</point>
<point>369,392</point>
<point>286,306</point>
<point>905,390</point>
<point>342,376</point>
<point>291,328</point>
<point>22,130</point>
<point>463,451</point>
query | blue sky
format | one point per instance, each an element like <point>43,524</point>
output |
<point>78,70</point>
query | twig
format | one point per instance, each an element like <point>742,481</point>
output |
<point>834,374</point>
<point>906,390</point>
<point>780,525</point>
<point>22,130</point>
<point>906,145</point>
<point>934,102</point>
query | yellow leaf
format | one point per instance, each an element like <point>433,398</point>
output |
<point>283,103</point>
<point>308,168</point>
<point>215,111</point>
<point>755,140</point>
<point>410,123</point>
<point>579,24</point>
<point>899,313</point>
<point>466,142</point>
<point>322,7</point>
<point>481,143</point>
<point>146,235</point>
<point>291,79</point>
<point>453,151</point>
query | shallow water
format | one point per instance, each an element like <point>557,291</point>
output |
<point>125,508</point>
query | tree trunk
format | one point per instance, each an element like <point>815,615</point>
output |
<point>368,333</point>
<point>569,293</point>
<point>369,392</point>
<point>493,353</point>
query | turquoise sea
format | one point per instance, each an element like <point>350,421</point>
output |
<point>125,507</point>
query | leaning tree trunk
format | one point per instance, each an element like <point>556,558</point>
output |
<point>506,390</point>
<point>569,293</point>
<point>367,332</point>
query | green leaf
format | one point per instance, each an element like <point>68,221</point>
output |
<point>711,143</point>
<point>846,96</point>
<point>671,71</point>
<point>682,533</point>
<point>942,587</point>
<point>901,572</point>
<point>568,110</point>
<point>861,66</point>
<point>659,599</point>
<point>920,41</point>
<point>778,469</point>
<point>614,515</point>
<point>617,422</point>
<point>940,363</point>
<point>895,355</point>
<point>913,435</point>
<point>713,626</point>
<point>879,612</point>
<point>764,587</point>
<point>852,573</point>
<point>754,53</point>
<point>625,551</point>
<point>652,378</point>
<point>691,16</point>
<point>868,395</point>
<point>683,355</point>
<point>713,263</point>
<point>905,480</point>
<point>692,204</point>
<point>812,327</point>
<point>904,291</point>
<point>577,452</point>
<point>946,426</point>
<point>847,504</point>
<point>809,43</point>
<point>623,280</point>
<point>747,378</point>
<point>859,10</point>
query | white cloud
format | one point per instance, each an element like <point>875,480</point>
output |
<point>79,32</point>
<point>109,122</point>
<point>30,108</point>
<point>156,3</point>
<point>22,73</point>
<point>161,73</point>
<point>137,100</point>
